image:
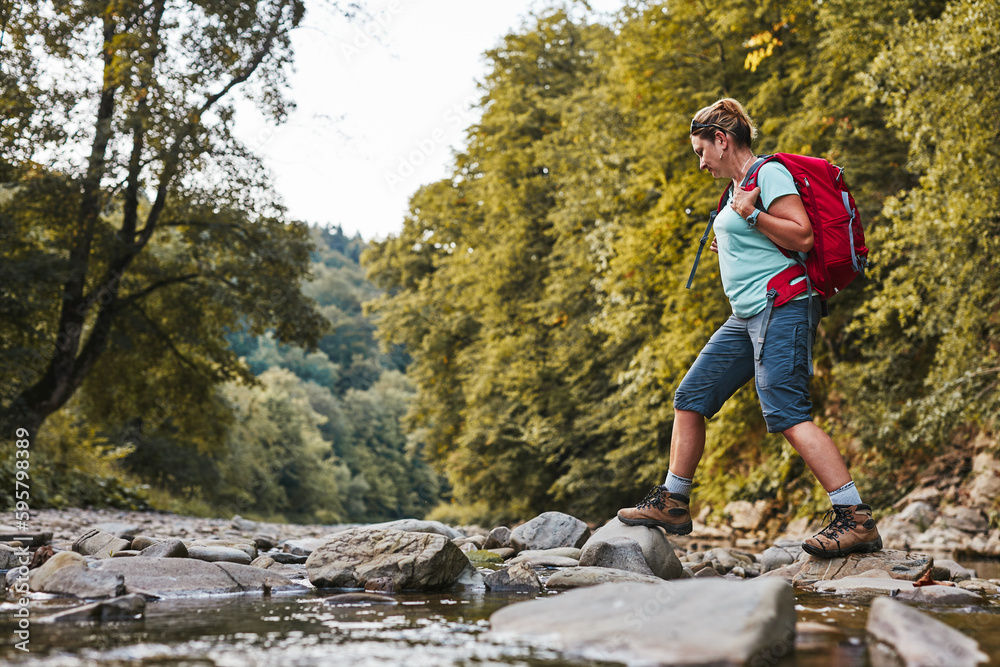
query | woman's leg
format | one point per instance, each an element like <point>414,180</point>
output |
<point>687,442</point>
<point>818,451</point>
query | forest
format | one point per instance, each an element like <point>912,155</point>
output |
<point>172,340</point>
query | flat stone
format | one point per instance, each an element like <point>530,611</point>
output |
<point>653,542</point>
<point>518,578</point>
<point>99,544</point>
<point>186,575</point>
<point>303,547</point>
<point>675,623</point>
<point>919,640</point>
<point>563,552</point>
<point>66,573</point>
<point>265,541</point>
<point>906,566</point>
<point>126,553</point>
<point>620,553</point>
<point>413,560</point>
<point>122,608</point>
<point>262,562</point>
<point>544,560</point>
<point>550,530</point>
<point>219,555</point>
<point>288,559</point>
<point>581,577</point>
<point>242,544</point>
<point>504,552</point>
<point>166,549</point>
<point>118,529</point>
<point>143,542</point>
<point>419,526</point>
<point>483,556</point>
<point>946,569</point>
<point>903,590</point>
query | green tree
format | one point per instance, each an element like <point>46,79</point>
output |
<point>165,234</point>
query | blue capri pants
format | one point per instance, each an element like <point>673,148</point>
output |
<point>781,370</point>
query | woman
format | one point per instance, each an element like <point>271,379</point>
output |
<point>746,241</point>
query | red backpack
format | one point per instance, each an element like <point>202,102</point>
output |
<point>838,255</point>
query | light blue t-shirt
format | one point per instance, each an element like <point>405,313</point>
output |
<point>747,258</point>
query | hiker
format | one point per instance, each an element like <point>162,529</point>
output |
<point>780,362</point>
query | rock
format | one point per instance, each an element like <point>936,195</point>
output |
<point>303,547</point>
<point>265,542</point>
<point>620,553</point>
<point>518,578</point>
<point>66,573</point>
<point>27,538</point>
<point>122,608</point>
<point>143,542</point>
<point>746,515</point>
<point>219,555</point>
<point>903,590</point>
<point>381,585</point>
<point>946,569</point>
<point>985,485</point>
<point>241,544</point>
<point>549,530</point>
<point>413,560</point>
<point>160,576</point>
<point>939,537</point>
<point>966,519</point>
<point>706,573</point>
<point>503,552</point>
<point>126,553</point>
<point>775,557</point>
<point>99,544</point>
<point>418,526</point>
<point>543,560</point>
<point>8,557</point>
<point>919,513</point>
<point>245,525</point>
<point>166,549</point>
<point>981,586</point>
<point>358,599</point>
<point>987,546</point>
<point>562,552</point>
<point>674,623</point>
<point>125,531</point>
<point>919,640</point>
<point>498,537</point>
<point>656,548</point>
<point>262,562</point>
<point>288,559</point>
<point>475,542</point>
<point>727,559</point>
<point>898,564</point>
<point>483,556</point>
<point>580,577</point>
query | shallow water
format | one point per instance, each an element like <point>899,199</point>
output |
<point>431,630</point>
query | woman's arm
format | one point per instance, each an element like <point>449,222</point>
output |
<point>785,222</point>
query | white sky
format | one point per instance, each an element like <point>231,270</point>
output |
<point>381,106</point>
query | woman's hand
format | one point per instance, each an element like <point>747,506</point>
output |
<point>743,200</point>
<point>715,245</point>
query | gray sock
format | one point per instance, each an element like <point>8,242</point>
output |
<point>675,484</point>
<point>845,495</point>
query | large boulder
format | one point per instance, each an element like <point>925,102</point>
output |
<point>903,565</point>
<point>414,561</point>
<point>549,530</point>
<point>653,542</point>
<point>919,640</point>
<point>161,576</point>
<point>693,622</point>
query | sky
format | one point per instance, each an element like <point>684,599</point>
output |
<point>382,104</point>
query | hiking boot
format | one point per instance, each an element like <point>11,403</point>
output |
<point>852,530</point>
<point>660,508</point>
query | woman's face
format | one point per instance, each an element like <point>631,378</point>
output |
<point>707,150</point>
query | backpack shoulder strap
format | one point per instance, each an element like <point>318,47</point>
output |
<point>750,180</point>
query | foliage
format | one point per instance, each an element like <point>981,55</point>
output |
<point>539,288</point>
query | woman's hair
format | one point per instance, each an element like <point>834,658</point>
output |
<point>728,115</point>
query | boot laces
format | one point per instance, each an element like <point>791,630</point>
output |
<point>655,498</point>
<point>841,520</point>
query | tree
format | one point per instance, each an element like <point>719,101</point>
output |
<point>166,234</point>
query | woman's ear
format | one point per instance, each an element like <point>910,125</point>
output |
<point>721,139</point>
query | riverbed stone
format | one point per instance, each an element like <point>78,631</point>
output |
<point>582,577</point>
<point>219,555</point>
<point>653,542</point>
<point>143,542</point>
<point>746,515</point>
<point>544,560</point>
<point>161,576</point>
<point>121,608</point>
<point>8,557</point>
<point>774,557</point>
<point>414,560</point>
<point>675,623</point>
<point>66,573</point>
<point>518,578</point>
<point>906,566</point>
<point>621,553</point>
<point>498,537</point>
<point>120,529</point>
<point>918,639</point>
<point>483,557</point>
<point>419,526</point>
<point>242,544</point>
<point>304,546</point>
<point>165,549</point>
<point>946,569</point>
<point>550,530</point>
<point>965,519</point>
<point>99,544</point>
<point>903,590</point>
